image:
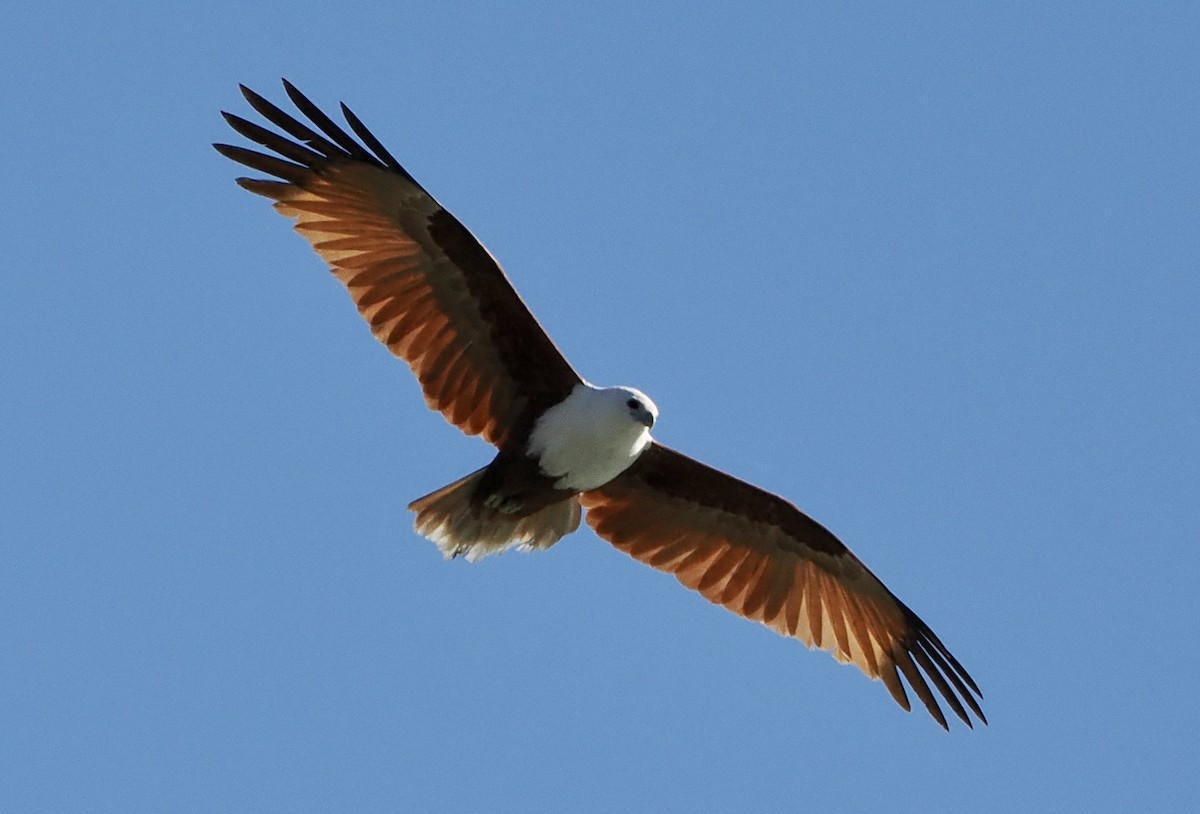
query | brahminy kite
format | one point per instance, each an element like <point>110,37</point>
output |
<point>438,299</point>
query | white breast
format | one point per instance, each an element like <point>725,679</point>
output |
<point>587,439</point>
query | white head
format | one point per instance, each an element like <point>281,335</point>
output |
<point>593,435</point>
<point>636,404</point>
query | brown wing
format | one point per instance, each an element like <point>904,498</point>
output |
<point>763,558</point>
<point>430,291</point>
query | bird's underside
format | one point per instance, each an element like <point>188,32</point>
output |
<point>440,302</point>
<point>508,503</point>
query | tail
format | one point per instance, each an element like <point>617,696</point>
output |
<point>461,527</point>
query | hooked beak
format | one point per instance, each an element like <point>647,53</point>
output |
<point>646,417</point>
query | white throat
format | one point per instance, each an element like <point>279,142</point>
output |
<point>588,438</point>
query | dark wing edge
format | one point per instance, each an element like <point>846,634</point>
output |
<point>760,557</point>
<point>428,288</point>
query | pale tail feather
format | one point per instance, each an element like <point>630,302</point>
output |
<point>462,530</point>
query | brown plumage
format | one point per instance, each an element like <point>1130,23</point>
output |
<point>429,290</point>
<point>762,558</point>
<point>435,296</point>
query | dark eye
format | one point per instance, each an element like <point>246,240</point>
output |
<point>633,404</point>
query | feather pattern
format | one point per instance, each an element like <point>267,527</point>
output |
<point>762,558</point>
<point>428,289</point>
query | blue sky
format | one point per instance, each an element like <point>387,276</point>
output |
<point>930,272</point>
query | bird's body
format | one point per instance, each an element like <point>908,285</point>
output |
<point>434,295</point>
<point>577,445</point>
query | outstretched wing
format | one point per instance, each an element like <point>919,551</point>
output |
<point>763,558</point>
<point>429,290</point>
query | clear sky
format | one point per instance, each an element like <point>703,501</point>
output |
<point>932,272</point>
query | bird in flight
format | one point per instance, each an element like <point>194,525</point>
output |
<point>439,301</point>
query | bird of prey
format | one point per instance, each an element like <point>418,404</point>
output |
<point>439,301</point>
